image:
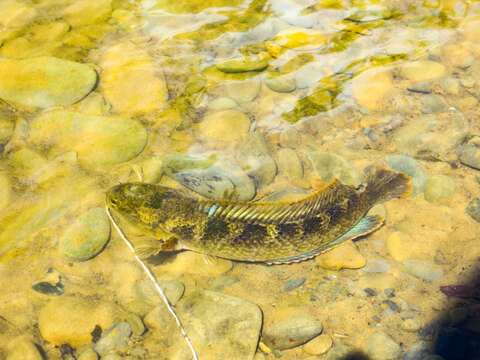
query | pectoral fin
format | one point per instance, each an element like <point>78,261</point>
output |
<point>151,247</point>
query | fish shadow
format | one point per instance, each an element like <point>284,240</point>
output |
<point>455,333</point>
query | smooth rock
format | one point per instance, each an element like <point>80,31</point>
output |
<point>458,55</point>
<point>252,63</point>
<point>208,316</point>
<point>451,85</point>
<point>372,87</point>
<point>71,320</point>
<point>432,103</point>
<point>398,245</point>
<point>14,16</point>
<point>98,140</point>
<point>290,327</point>
<point>254,158</point>
<point>411,325</point>
<point>344,256</point>
<point>319,345</point>
<point>45,81</point>
<point>87,236</point>
<point>113,339</point>
<point>422,70</point>
<point>469,153</point>
<point>87,354</point>
<point>376,266</point>
<point>438,188</point>
<point>242,91</point>
<point>329,165</point>
<point>470,28</point>
<point>126,66</point>
<point>22,348</point>
<point>289,164</point>
<point>189,262</point>
<point>5,190</point>
<point>424,270</point>
<point>6,129</point>
<point>173,290</point>
<point>222,103</point>
<point>136,324</point>
<point>223,127</point>
<point>380,346</point>
<point>339,351</point>
<point>281,84</point>
<point>432,136</point>
<point>473,209</point>
<point>86,12</point>
<point>409,166</point>
<point>292,284</point>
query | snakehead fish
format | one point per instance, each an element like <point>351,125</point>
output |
<point>268,232</point>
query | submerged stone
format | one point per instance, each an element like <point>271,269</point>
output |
<point>6,129</point>
<point>329,165</point>
<point>98,140</point>
<point>87,12</point>
<point>130,81</point>
<point>113,339</point>
<point>422,70</point>
<point>372,87</point>
<point>438,188</point>
<point>22,348</point>
<point>231,323</point>
<point>344,256</point>
<point>71,320</point>
<point>290,327</point>
<point>5,190</point>
<point>253,63</point>
<point>87,236</point>
<point>473,209</point>
<point>409,166</point>
<point>281,84</point>
<point>222,128</point>
<point>45,81</point>
<point>381,346</point>
<point>424,270</point>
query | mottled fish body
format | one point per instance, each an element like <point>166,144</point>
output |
<point>257,231</point>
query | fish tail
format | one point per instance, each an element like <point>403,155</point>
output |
<point>383,185</point>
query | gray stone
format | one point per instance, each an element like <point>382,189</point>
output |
<point>231,324</point>
<point>289,164</point>
<point>469,153</point>
<point>282,84</point>
<point>173,289</point>
<point>381,346</point>
<point>293,284</point>
<point>293,328</point>
<point>376,266</point>
<point>87,236</point>
<point>439,187</point>
<point>329,165</point>
<point>114,339</point>
<point>255,159</point>
<point>473,209</point>
<point>424,270</point>
<point>409,166</point>
<point>432,103</point>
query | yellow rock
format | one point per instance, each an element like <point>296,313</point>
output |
<point>319,345</point>
<point>14,15</point>
<point>398,245</point>
<point>457,55</point>
<point>344,256</point>
<point>189,262</point>
<point>372,87</point>
<point>130,82</point>
<point>423,70</point>
<point>45,81</point>
<point>471,29</point>
<point>294,38</point>
<point>5,190</point>
<point>22,348</point>
<point>224,127</point>
<point>71,320</point>
<point>86,12</point>
<point>52,31</point>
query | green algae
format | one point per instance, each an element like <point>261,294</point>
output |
<point>324,96</point>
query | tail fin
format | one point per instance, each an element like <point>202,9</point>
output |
<point>383,185</point>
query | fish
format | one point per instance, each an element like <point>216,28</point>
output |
<point>261,232</point>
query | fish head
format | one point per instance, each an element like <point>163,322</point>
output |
<point>131,199</point>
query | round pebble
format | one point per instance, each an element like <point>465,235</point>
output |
<point>344,256</point>
<point>87,236</point>
<point>424,270</point>
<point>319,345</point>
<point>113,339</point>
<point>423,70</point>
<point>43,81</point>
<point>223,127</point>
<point>438,188</point>
<point>281,84</point>
<point>381,346</point>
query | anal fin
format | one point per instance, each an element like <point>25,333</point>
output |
<point>365,226</point>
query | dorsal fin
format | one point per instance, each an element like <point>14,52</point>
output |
<point>266,212</point>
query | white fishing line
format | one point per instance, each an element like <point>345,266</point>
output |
<point>157,286</point>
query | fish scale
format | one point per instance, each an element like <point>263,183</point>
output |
<point>272,233</point>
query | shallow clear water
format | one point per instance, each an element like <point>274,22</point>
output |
<point>259,99</point>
